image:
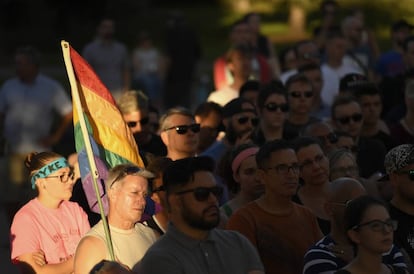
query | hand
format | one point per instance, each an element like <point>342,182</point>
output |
<point>39,258</point>
<point>244,138</point>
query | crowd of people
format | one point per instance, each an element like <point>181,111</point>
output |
<point>301,162</point>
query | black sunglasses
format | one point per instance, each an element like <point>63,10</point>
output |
<point>356,117</point>
<point>125,172</point>
<point>298,94</point>
<point>143,122</point>
<point>272,107</point>
<point>410,173</point>
<point>182,129</point>
<point>201,194</point>
<point>243,120</point>
<point>331,137</point>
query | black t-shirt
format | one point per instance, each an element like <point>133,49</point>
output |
<point>155,146</point>
<point>404,235</point>
<point>370,156</point>
<point>388,141</point>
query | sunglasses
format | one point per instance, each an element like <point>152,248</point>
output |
<point>182,129</point>
<point>284,169</point>
<point>409,172</point>
<point>201,194</point>
<point>243,120</point>
<point>356,117</point>
<point>272,107</point>
<point>298,94</point>
<point>378,225</point>
<point>125,172</point>
<point>331,137</point>
<point>143,122</point>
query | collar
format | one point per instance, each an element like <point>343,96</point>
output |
<point>186,240</point>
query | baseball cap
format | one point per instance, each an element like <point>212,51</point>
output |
<point>351,81</point>
<point>399,157</point>
<point>400,24</point>
<point>237,105</point>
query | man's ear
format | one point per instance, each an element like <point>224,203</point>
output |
<point>164,137</point>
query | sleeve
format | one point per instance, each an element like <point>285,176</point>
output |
<point>155,263</point>
<point>251,257</point>
<point>317,260</point>
<point>240,222</point>
<point>23,236</point>
<point>61,101</point>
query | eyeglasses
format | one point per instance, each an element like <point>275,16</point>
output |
<point>298,94</point>
<point>127,171</point>
<point>65,177</point>
<point>182,129</point>
<point>317,160</point>
<point>201,194</point>
<point>143,122</point>
<point>409,172</point>
<point>284,169</point>
<point>243,120</point>
<point>356,117</point>
<point>331,137</point>
<point>345,204</point>
<point>378,225</point>
<point>272,107</point>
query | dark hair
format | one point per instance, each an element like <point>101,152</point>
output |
<point>249,86</point>
<point>305,141</point>
<point>282,56</point>
<point>308,67</point>
<point>205,108</point>
<point>341,99</point>
<point>31,53</point>
<point>298,78</point>
<point>157,165</point>
<point>246,17</point>
<point>181,172</point>
<point>36,160</point>
<point>355,210</point>
<point>299,44</point>
<point>224,166</point>
<point>152,108</point>
<point>265,151</point>
<point>407,41</point>
<point>365,89</point>
<point>274,87</point>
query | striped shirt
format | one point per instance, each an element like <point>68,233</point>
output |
<point>321,260</point>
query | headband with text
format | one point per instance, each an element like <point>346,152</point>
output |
<point>49,169</point>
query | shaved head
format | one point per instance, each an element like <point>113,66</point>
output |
<point>344,189</point>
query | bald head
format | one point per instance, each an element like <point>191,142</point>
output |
<point>344,189</point>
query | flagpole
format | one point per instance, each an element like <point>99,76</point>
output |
<point>88,146</point>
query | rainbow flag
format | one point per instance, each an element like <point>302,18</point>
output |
<point>112,141</point>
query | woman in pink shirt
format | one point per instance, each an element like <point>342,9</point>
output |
<point>45,232</point>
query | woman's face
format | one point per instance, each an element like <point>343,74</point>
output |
<point>248,179</point>
<point>374,233</point>
<point>58,185</point>
<point>344,167</point>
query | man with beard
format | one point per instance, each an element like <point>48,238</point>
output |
<point>192,244</point>
<point>280,229</point>
<point>240,120</point>
<point>134,108</point>
<point>399,164</point>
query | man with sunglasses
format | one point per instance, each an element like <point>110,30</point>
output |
<point>399,164</point>
<point>324,132</point>
<point>134,106</point>
<point>127,188</point>
<point>192,244</point>
<point>334,251</point>
<point>280,229</point>
<point>240,120</point>
<point>301,96</point>
<point>180,133</point>
<point>347,117</point>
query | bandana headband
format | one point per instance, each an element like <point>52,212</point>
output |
<point>241,157</point>
<point>48,169</point>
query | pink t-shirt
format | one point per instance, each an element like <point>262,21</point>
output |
<point>55,231</point>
